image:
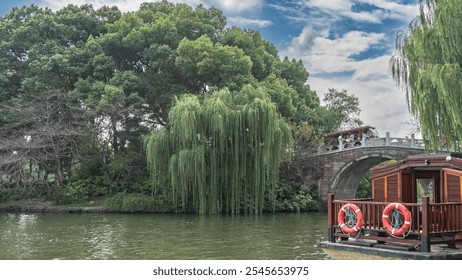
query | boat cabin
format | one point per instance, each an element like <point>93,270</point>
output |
<point>415,202</point>
<point>436,176</point>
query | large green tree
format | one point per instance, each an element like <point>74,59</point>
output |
<point>41,58</point>
<point>221,154</point>
<point>341,110</point>
<point>124,71</point>
<point>427,65</point>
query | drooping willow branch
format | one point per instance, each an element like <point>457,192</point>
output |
<point>221,154</point>
<point>427,65</point>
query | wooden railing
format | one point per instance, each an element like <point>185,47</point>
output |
<point>430,221</point>
<point>445,217</point>
<point>372,213</point>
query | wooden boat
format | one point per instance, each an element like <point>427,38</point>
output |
<point>415,213</point>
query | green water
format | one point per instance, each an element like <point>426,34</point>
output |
<point>161,237</point>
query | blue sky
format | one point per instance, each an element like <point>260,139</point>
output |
<point>344,44</point>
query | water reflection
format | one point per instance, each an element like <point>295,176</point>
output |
<point>101,238</point>
<point>25,220</point>
<point>93,236</point>
<point>17,234</point>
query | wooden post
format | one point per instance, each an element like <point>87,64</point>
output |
<point>330,218</point>
<point>425,237</point>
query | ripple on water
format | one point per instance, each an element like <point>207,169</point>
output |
<point>159,236</point>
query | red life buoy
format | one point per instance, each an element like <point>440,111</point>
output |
<point>354,221</point>
<point>394,224</point>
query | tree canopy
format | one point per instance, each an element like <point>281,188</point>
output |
<point>427,65</point>
<point>341,110</point>
<point>119,76</point>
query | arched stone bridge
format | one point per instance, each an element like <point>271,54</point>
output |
<point>343,168</point>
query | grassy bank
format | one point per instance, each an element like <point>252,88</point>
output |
<point>43,206</point>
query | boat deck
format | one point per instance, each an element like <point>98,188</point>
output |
<point>352,249</point>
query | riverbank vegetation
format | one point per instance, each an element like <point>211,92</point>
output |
<point>159,110</point>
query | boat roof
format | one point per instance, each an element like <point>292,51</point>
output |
<point>421,162</point>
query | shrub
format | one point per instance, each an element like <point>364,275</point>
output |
<point>114,203</point>
<point>11,194</point>
<point>296,198</point>
<point>135,203</point>
<point>81,190</point>
<point>60,197</point>
<point>27,191</point>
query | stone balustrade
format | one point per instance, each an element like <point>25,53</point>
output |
<point>406,142</point>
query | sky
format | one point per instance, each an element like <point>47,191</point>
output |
<point>344,44</point>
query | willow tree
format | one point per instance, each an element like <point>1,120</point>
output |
<point>220,154</point>
<point>427,65</point>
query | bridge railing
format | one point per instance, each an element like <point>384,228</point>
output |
<point>395,141</point>
<point>406,142</point>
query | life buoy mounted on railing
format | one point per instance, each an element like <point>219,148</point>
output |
<point>350,219</point>
<point>396,220</point>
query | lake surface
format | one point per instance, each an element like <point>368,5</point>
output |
<point>162,237</point>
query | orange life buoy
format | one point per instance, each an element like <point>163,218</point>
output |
<point>354,221</point>
<point>393,224</point>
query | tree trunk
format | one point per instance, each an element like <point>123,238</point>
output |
<point>58,173</point>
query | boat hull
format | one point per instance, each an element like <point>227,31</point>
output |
<point>359,250</point>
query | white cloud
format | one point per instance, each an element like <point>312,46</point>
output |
<point>335,60</point>
<point>333,10</point>
<point>375,16</point>
<point>334,55</point>
<point>334,63</point>
<point>352,43</point>
<point>333,5</point>
<point>373,68</point>
<point>301,44</point>
<point>239,5</point>
<point>242,21</point>
<point>344,9</point>
<point>395,9</point>
<point>382,104</point>
<point>295,14</point>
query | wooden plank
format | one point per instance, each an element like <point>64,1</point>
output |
<point>390,239</point>
<point>330,217</point>
<point>425,238</point>
<point>452,185</point>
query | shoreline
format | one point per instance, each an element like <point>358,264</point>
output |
<point>92,206</point>
<point>40,206</point>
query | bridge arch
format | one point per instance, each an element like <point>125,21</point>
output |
<point>342,170</point>
<point>346,182</point>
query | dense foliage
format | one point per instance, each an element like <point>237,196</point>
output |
<point>342,110</point>
<point>221,154</point>
<point>80,89</point>
<point>428,67</point>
